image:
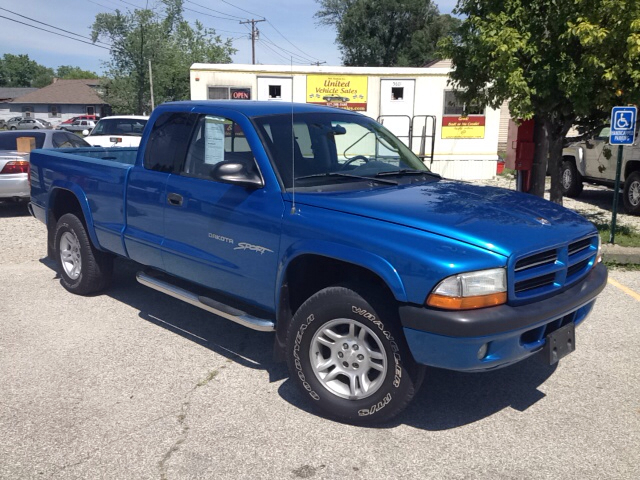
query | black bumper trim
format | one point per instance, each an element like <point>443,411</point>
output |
<point>504,318</point>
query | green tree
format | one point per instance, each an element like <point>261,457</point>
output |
<point>21,71</point>
<point>168,41</point>
<point>386,33</point>
<point>67,72</point>
<point>562,62</point>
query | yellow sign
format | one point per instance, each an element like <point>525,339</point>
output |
<point>463,127</point>
<point>343,91</point>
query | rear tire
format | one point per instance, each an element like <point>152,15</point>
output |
<point>349,358</point>
<point>83,268</point>
<point>13,128</point>
<point>570,179</point>
<point>631,196</point>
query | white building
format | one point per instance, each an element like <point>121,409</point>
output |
<point>416,104</point>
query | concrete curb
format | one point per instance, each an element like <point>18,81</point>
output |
<point>621,255</point>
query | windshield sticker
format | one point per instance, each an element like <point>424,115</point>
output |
<point>214,140</point>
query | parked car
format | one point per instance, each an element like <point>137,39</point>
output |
<point>13,121</point>
<point>117,131</point>
<point>69,121</point>
<point>594,160</point>
<point>29,124</point>
<point>78,126</point>
<point>14,164</point>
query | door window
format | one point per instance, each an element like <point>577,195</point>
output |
<point>216,139</point>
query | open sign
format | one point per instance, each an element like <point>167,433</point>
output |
<point>241,93</point>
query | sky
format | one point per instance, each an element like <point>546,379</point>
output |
<point>289,34</point>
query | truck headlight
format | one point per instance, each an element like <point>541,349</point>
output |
<point>465,291</point>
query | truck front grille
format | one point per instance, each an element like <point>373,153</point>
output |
<point>545,272</point>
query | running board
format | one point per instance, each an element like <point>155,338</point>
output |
<point>206,303</point>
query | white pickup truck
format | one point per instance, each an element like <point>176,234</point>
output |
<point>594,161</point>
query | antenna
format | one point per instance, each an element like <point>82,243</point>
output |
<point>293,151</point>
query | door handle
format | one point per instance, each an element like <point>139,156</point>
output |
<point>174,199</point>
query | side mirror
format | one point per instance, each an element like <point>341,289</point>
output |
<point>236,173</point>
<point>85,133</point>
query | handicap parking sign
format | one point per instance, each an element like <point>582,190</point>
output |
<point>623,125</point>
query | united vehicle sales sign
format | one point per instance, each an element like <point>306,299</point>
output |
<point>623,125</point>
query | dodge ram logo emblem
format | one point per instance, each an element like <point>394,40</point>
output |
<point>543,221</point>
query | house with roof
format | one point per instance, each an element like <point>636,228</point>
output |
<point>61,100</point>
<point>7,95</point>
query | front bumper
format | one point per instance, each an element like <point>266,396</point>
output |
<point>452,340</point>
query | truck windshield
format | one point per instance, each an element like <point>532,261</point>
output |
<point>120,126</point>
<point>312,149</point>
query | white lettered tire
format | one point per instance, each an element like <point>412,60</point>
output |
<point>83,268</point>
<point>349,358</point>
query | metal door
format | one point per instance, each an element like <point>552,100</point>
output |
<point>396,106</point>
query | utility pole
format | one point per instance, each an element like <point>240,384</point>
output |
<point>254,34</point>
<point>151,86</point>
<point>317,64</point>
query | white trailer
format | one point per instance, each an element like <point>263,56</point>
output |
<point>416,104</point>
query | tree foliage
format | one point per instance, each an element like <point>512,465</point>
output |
<point>168,41</point>
<point>386,33</point>
<point>564,62</point>
<point>67,72</point>
<point>21,71</point>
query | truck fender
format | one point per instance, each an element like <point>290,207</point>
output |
<point>347,254</point>
<point>80,196</point>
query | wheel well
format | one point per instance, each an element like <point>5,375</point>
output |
<point>630,167</point>
<point>61,202</point>
<point>309,274</point>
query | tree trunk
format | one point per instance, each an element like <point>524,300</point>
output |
<point>539,171</point>
<point>555,157</point>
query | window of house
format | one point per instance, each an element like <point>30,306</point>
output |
<point>168,141</point>
<point>455,106</point>
<point>91,110</point>
<point>216,139</point>
<point>218,93</point>
<point>397,93</point>
<point>54,111</point>
<point>275,91</point>
<point>27,111</point>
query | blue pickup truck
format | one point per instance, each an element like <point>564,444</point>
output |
<point>319,225</point>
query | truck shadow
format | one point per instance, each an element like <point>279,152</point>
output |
<point>13,209</point>
<point>446,400</point>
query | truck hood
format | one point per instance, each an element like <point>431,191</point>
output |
<point>499,220</point>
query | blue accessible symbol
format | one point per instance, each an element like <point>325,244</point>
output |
<point>623,125</point>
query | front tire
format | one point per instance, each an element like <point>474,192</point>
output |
<point>631,196</point>
<point>83,268</point>
<point>13,128</point>
<point>350,359</point>
<point>571,179</point>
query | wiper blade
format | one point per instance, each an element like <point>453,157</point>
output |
<point>348,175</point>
<point>406,171</point>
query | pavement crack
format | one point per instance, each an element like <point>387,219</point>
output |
<point>182,422</point>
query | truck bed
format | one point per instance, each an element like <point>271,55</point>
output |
<point>97,173</point>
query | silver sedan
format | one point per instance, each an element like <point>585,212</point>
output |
<point>29,124</point>
<point>14,164</point>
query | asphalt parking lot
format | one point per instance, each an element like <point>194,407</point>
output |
<point>132,384</point>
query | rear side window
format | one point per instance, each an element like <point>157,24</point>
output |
<point>168,142</point>
<point>67,140</point>
<point>8,139</point>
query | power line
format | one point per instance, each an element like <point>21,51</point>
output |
<point>274,27</point>
<point>52,26</point>
<point>245,11</point>
<point>55,33</point>
<point>103,6</point>
<point>216,11</point>
<point>305,59</point>
<point>265,45</point>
